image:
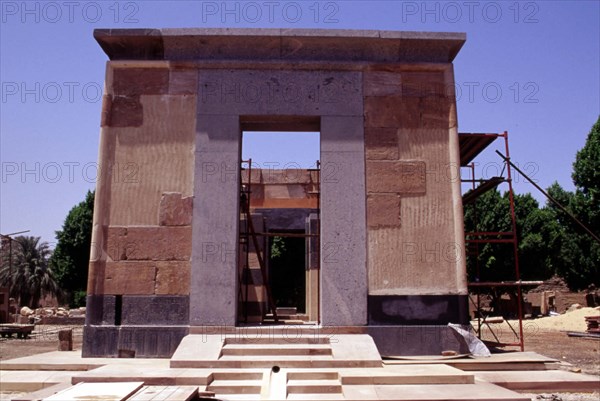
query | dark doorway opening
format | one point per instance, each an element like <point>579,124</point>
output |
<point>287,270</point>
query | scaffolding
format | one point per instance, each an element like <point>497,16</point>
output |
<point>248,233</point>
<point>471,145</point>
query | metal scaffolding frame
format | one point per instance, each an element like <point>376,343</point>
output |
<point>471,145</point>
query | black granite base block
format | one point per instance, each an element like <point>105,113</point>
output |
<point>416,340</point>
<point>418,309</point>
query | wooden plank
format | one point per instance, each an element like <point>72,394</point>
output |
<point>97,391</point>
<point>165,393</point>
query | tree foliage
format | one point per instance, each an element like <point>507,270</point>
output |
<point>535,232</point>
<point>26,270</point>
<point>72,254</point>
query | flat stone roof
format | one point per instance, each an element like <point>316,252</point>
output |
<point>251,44</point>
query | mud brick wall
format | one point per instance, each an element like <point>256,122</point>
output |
<point>142,235</point>
<point>414,224</point>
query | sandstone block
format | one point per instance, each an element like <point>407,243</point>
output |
<point>383,111</point>
<point>172,278</point>
<point>175,210</point>
<point>382,83</point>
<point>286,176</point>
<point>407,112</point>
<point>125,111</point>
<point>381,143</point>
<point>280,191</point>
<point>183,82</point>
<point>436,112</point>
<point>106,109</point>
<point>423,84</point>
<point>140,81</point>
<point>132,278</point>
<point>383,210</point>
<point>65,340</point>
<point>149,243</point>
<point>402,177</point>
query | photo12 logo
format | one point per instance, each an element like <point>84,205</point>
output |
<point>55,172</point>
<point>453,12</point>
<point>54,12</point>
<point>51,92</point>
<point>254,12</point>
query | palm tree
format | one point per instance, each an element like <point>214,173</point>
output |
<point>29,275</point>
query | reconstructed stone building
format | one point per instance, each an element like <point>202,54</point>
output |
<point>388,220</point>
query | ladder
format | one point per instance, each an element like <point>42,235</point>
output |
<point>244,240</point>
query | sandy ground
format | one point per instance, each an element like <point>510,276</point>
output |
<point>543,336</point>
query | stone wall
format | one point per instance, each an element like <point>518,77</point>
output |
<point>140,263</point>
<point>415,240</point>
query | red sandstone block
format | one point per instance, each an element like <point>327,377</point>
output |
<point>175,210</point>
<point>423,84</point>
<point>183,82</point>
<point>125,111</point>
<point>407,112</point>
<point>149,243</point>
<point>383,111</point>
<point>106,110</point>
<point>172,278</point>
<point>96,273</point>
<point>381,83</point>
<point>132,278</point>
<point>436,112</point>
<point>383,210</point>
<point>402,177</point>
<point>140,81</point>
<point>381,143</point>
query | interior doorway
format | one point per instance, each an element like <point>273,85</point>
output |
<point>287,265</point>
<point>278,246</point>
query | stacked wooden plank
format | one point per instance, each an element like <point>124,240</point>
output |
<point>593,324</point>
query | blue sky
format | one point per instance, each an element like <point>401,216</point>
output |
<point>531,68</point>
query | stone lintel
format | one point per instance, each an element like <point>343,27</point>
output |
<point>279,44</point>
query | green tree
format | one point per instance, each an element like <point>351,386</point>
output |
<point>29,275</point>
<point>578,256</point>
<point>72,254</point>
<point>536,234</point>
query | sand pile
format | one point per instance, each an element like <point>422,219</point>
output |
<point>569,321</point>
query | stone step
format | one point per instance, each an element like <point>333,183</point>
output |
<point>404,375</point>
<point>282,361</point>
<point>206,351</point>
<point>286,310</point>
<point>286,320</point>
<point>301,317</point>
<point>276,349</point>
<point>292,339</point>
<point>235,387</point>
<point>314,387</point>
<point>313,375</point>
<point>542,381</point>
<point>315,397</point>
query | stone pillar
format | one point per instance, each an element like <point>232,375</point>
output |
<point>343,222</point>
<point>213,295</point>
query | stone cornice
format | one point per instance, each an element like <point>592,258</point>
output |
<point>289,45</point>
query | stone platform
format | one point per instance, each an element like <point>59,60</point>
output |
<point>306,367</point>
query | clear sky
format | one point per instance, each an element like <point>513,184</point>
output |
<point>531,68</point>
